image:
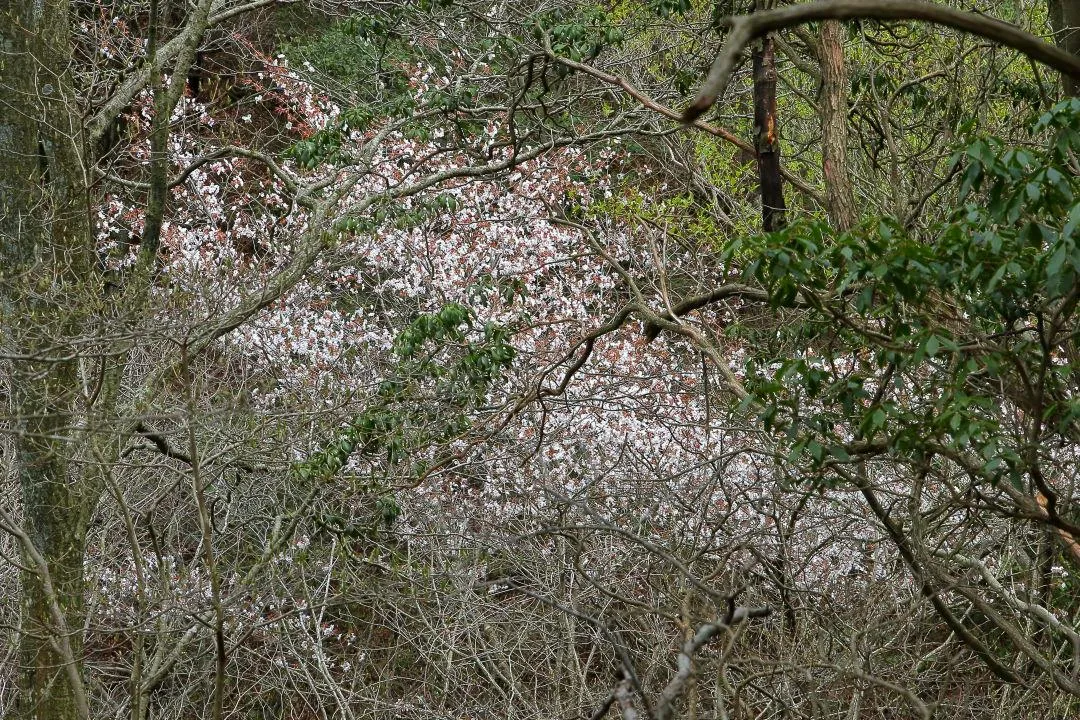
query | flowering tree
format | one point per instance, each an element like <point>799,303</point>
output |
<point>127,267</point>
<point>328,397</point>
<point>277,334</point>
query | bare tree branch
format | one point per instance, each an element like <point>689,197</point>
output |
<point>674,689</point>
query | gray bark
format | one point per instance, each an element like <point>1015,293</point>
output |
<point>1065,22</point>
<point>53,301</point>
<point>46,260</point>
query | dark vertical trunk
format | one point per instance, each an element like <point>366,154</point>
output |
<point>159,133</point>
<point>1065,22</point>
<point>766,138</point>
<point>50,648</point>
<point>45,264</point>
<point>839,196</point>
<point>52,300</point>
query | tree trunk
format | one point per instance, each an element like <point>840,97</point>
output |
<point>839,196</point>
<point>50,651</point>
<point>1065,22</point>
<point>766,138</point>
<point>45,265</point>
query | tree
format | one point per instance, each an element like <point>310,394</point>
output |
<point>315,359</point>
<point>1064,19</point>
<point>767,134</point>
<point>770,271</point>
<point>835,89</point>
<point>992,347</point>
<point>80,315</point>
<point>1023,190</point>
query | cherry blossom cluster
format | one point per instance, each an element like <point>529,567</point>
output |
<point>632,440</point>
<point>497,244</point>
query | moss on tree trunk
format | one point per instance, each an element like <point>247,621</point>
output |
<point>46,271</point>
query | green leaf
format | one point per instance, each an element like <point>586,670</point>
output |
<point>932,346</point>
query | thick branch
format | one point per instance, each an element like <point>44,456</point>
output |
<point>674,689</point>
<point>699,301</point>
<point>744,28</point>
<point>922,578</point>
<point>99,123</point>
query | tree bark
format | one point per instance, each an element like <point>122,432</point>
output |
<point>1065,22</point>
<point>46,260</point>
<point>766,137</point>
<point>839,195</point>
<point>53,302</point>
